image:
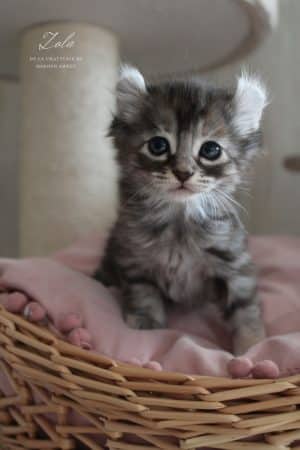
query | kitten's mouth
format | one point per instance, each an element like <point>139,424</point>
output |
<point>182,191</point>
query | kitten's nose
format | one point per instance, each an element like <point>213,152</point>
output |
<point>183,175</point>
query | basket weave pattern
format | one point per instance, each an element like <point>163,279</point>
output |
<point>131,408</point>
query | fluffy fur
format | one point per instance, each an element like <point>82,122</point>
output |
<point>178,237</point>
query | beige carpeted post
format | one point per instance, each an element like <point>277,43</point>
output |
<point>67,170</point>
<point>9,154</point>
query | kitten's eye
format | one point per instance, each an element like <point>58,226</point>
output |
<point>158,146</point>
<point>210,150</point>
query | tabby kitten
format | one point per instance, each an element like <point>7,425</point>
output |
<point>184,148</point>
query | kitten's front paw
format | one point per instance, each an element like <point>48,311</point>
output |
<point>243,368</point>
<point>142,321</point>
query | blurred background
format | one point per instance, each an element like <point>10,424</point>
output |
<point>58,68</point>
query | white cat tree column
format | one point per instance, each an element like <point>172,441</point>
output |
<point>67,179</point>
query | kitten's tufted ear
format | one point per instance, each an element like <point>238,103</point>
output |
<point>250,100</point>
<point>130,89</point>
<point>131,77</point>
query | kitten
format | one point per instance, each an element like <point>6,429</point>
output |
<point>184,148</point>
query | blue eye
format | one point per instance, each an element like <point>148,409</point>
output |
<point>158,146</point>
<point>210,150</point>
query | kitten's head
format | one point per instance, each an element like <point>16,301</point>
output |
<point>182,140</point>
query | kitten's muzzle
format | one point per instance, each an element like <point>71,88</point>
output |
<point>183,175</point>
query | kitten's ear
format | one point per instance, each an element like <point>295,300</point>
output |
<point>250,100</point>
<point>130,89</point>
<point>131,78</point>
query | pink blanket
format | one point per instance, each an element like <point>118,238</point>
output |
<point>192,343</point>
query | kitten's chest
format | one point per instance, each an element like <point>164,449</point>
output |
<point>180,268</point>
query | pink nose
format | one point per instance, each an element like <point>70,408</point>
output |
<point>183,175</point>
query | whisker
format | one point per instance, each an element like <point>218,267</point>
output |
<point>224,205</point>
<point>231,200</point>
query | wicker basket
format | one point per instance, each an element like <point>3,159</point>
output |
<point>129,407</point>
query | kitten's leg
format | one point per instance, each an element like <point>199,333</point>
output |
<point>143,306</point>
<point>244,313</point>
<point>106,273</point>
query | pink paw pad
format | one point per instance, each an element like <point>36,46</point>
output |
<point>154,365</point>
<point>34,312</point>
<point>81,338</point>
<point>15,302</point>
<point>265,369</point>
<point>69,322</point>
<point>240,367</point>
